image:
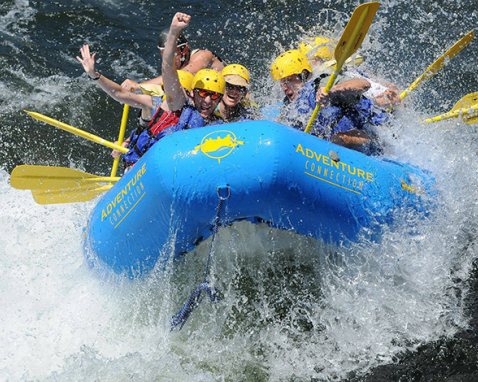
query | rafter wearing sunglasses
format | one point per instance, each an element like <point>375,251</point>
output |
<point>241,89</point>
<point>206,93</point>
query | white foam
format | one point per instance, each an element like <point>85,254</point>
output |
<point>11,22</point>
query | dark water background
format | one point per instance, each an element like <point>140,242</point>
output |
<point>38,71</point>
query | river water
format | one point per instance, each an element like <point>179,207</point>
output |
<point>402,309</point>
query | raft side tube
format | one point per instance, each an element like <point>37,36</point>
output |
<point>294,181</point>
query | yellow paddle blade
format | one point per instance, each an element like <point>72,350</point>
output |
<point>467,107</point>
<point>466,102</point>
<point>68,195</point>
<point>76,131</point>
<point>351,39</point>
<point>469,102</point>
<point>440,62</point>
<point>31,177</point>
<point>355,32</point>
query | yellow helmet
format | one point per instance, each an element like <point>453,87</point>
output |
<point>209,79</point>
<point>236,74</point>
<point>320,47</point>
<point>186,79</point>
<point>289,63</point>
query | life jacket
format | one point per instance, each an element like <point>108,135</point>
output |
<point>334,119</point>
<point>143,124</point>
<point>299,111</point>
<point>162,124</point>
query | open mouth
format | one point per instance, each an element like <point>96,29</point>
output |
<point>234,98</point>
<point>205,110</point>
<point>289,94</point>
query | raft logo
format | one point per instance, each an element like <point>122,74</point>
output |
<point>218,144</point>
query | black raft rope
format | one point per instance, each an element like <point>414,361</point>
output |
<point>195,298</point>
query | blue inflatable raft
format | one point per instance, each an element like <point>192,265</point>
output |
<point>257,170</point>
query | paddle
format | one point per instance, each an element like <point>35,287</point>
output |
<point>32,177</point>
<point>440,62</point>
<point>52,185</point>
<point>467,107</point>
<point>76,131</point>
<point>352,38</point>
<point>68,195</point>
<point>124,121</point>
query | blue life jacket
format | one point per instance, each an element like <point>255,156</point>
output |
<point>140,143</point>
<point>333,119</point>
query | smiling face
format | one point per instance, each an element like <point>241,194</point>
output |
<point>291,86</point>
<point>206,101</point>
<point>233,95</point>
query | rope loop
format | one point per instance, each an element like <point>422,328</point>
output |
<point>180,318</point>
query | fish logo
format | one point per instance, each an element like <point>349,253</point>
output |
<point>218,144</point>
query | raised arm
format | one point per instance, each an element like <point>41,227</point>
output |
<point>113,89</point>
<point>175,96</point>
<point>132,86</point>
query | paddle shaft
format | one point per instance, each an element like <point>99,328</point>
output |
<point>329,85</point>
<point>440,62</point>
<point>124,121</point>
<point>76,131</point>
<point>452,114</point>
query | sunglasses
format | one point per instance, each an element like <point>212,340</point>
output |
<point>206,93</point>
<point>238,88</point>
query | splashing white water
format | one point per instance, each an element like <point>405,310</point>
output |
<point>291,308</point>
